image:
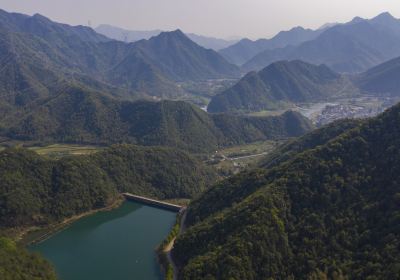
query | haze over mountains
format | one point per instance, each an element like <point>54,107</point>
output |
<point>352,47</point>
<point>246,49</point>
<point>38,54</point>
<point>124,35</point>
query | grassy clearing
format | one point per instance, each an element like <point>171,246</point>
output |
<point>61,150</point>
<point>232,160</point>
<point>250,149</point>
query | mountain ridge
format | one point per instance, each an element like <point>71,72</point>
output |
<point>77,115</point>
<point>126,35</point>
<point>281,82</point>
<point>330,211</point>
<point>351,47</point>
<point>245,49</point>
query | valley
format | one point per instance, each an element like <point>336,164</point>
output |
<point>268,158</point>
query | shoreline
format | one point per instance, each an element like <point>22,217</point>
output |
<point>36,234</point>
<point>164,250</point>
<point>28,236</point>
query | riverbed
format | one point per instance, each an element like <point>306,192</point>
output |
<point>118,244</point>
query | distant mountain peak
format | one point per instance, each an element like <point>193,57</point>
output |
<point>357,20</point>
<point>297,28</point>
<point>178,34</point>
<point>328,25</point>
<point>40,17</point>
<point>385,18</point>
<point>385,15</point>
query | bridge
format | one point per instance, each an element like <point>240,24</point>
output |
<point>154,202</point>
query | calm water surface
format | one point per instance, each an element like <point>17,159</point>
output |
<point>114,245</point>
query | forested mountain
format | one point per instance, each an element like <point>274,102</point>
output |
<point>35,190</point>
<point>121,34</point>
<point>76,115</point>
<point>308,141</point>
<point>245,49</point>
<point>181,59</point>
<point>18,263</point>
<point>330,211</point>
<point>36,54</point>
<point>280,82</point>
<point>352,47</point>
<point>382,79</point>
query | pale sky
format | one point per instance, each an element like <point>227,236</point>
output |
<point>218,18</point>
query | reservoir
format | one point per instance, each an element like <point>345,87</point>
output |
<point>115,245</point>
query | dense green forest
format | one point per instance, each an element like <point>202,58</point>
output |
<point>279,83</point>
<point>78,115</point>
<point>35,190</point>
<point>330,211</point>
<point>308,141</point>
<point>18,264</point>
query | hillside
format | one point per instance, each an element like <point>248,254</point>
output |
<point>281,82</point>
<point>77,115</point>
<point>352,47</point>
<point>181,59</point>
<point>328,212</point>
<point>382,79</point>
<point>52,190</point>
<point>245,49</point>
<point>37,54</point>
<point>18,263</point>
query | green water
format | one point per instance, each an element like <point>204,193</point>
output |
<point>114,245</point>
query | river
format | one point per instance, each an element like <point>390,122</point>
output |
<point>114,245</point>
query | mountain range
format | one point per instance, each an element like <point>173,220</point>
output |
<point>125,35</point>
<point>292,82</point>
<point>352,47</point>
<point>283,82</point>
<point>382,79</point>
<point>328,211</point>
<point>77,115</point>
<point>246,49</point>
<point>38,54</point>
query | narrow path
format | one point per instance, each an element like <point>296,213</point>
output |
<point>170,246</point>
<point>249,156</point>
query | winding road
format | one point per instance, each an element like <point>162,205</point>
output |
<point>170,246</point>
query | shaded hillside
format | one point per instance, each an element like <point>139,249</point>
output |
<point>35,190</point>
<point>76,115</point>
<point>352,47</point>
<point>382,79</point>
<point>308,141</point>
<point>328,212</point>
<point>284,81</point>
<point>18,263</point>
<point>181,59</point>
<point>36,54</point>
<point>245,49</point>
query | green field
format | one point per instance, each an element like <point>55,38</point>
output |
<point>237,158</point>
<point>61,150</point>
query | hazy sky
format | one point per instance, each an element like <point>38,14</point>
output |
<point>220,18</point>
